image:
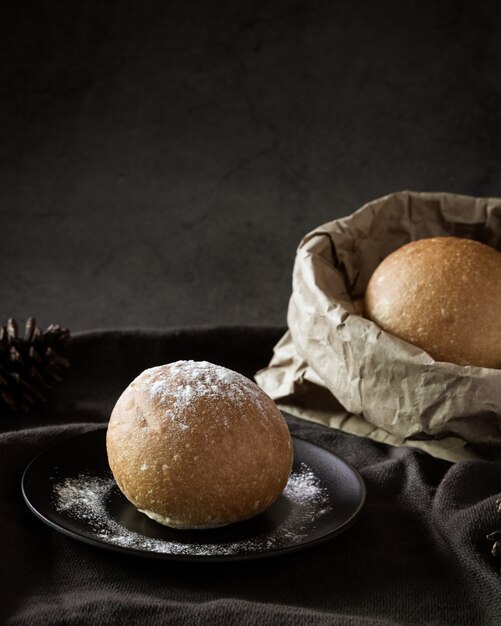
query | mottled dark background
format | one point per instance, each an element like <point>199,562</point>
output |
<point>160,161</point>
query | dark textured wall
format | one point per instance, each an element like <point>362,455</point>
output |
<point>160,161</point>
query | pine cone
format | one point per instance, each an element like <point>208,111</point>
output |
<point>30,365</point>
<point>494,538</point>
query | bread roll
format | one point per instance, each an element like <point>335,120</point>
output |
<point>196,445</point>
<point>443,295</point>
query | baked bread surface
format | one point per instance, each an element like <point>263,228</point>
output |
<point>442,294</point>
<point>196,445</point>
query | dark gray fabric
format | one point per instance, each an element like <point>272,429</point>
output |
<point>415,556</point>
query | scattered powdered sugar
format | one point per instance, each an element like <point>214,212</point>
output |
<point>83,497</point>
<point>179,384</point>
<point>303,486</point>
<point>86,498</point>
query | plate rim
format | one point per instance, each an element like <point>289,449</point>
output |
<point>212,558</point>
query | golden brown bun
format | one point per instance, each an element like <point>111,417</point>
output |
<point>442,295</point>
<point>196,445</point>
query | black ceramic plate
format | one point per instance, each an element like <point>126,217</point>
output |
<point>70,488</point>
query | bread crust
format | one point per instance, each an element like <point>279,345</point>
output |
<point>195,445</point>
<point>442,294</point>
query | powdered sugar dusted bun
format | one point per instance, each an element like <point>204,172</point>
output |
<point>196,445</point>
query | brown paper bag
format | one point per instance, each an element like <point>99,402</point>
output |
<point>338,368</point>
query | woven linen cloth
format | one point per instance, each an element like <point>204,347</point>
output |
<point>416,555</point>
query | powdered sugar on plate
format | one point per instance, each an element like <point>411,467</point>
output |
<point>86,498</point>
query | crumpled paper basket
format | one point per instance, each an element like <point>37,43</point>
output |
<point>336,367</point>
